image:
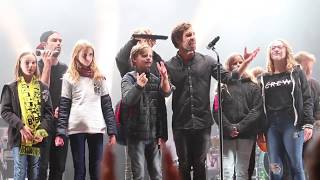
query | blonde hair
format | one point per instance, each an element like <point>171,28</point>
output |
<point>18,71</point>
<point>136,50</point>
<point>142,30</point>
<point>304,55</point>
<point>75,64</point>
<point>289,57</point>
<point>257,71</point>
<point>230,61</point>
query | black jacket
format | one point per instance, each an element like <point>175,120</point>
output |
<point>149,119</point>
<point>241,107</point>
<point>315,94</point>
<point>191,99</point>
<point>11,112</point>
<point>303,106</point>
<point>123,59</point>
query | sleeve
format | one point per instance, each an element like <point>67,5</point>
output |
<point>104,87</point>
<point>130,90</point>
<point>7,112</point>
<point>317,101</point>
<point>47,121</point>
<point>227,126</point>
<point>307,101</point>
<point>225,75</point>
<point>108,114</point>
<point>107,110</point>
<point>255,110</point>
<point>123,57</point>
<point>64,108</point>
<point>162,131</point>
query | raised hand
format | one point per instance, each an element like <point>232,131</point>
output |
<point>248,56</point>
<point>162,70</point>
<point>142,79</point>
<point>47,57</point>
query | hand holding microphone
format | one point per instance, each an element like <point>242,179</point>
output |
<point>40,51</point>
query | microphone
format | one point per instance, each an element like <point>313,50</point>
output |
<point>213,42</point>
<point>149,36</point>
<point>39,52</point>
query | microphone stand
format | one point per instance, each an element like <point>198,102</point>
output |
<point>219,111</point>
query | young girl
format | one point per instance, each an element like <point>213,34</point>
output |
<point>85,111</point>
<point>242,106</point>
<point>288,109</point>
<point>26,106</point>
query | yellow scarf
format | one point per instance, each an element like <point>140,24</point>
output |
<point>30,105</point>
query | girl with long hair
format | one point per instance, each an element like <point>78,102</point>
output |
<point>85,111</point>
<point>26,106</point>
<point>288,108</point>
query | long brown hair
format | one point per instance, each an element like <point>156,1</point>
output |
<point>18,71</point>
<point>74,64</point>
<point>289,57</point>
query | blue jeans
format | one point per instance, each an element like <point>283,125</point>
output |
<point>24,163</point>
<point>95,146</point>
<point>192,147</point>
<point>283,137</point>
<point>139,150</point>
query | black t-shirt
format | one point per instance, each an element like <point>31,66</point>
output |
<point>57,72</point>
<point>278,88</point>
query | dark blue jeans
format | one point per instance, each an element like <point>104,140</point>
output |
<point>283,138</point>
<point>54,156</point>
<point>192,147</point>
<point>95,146</point>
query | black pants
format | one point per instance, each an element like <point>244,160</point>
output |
<point>53,156</point>
<point>192,147</point>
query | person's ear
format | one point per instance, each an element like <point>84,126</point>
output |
<point>134,62</point>
<point>44,44</point>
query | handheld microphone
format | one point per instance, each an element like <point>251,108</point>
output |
<point>149,36</point>
<point>213,42</point>
<point>39,52</point>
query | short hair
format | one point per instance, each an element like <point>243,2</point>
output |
<point>177,33</point>
<point>257,71</point>
<point>44,36</point>
<point>142,30</point>
<point>138,50</point>
<point>304,56</point>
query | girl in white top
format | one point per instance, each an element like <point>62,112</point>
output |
<point>85,111</point>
